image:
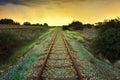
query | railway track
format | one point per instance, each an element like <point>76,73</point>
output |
<point>58,62</point>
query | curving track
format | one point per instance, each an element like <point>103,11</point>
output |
<point>58,62</point>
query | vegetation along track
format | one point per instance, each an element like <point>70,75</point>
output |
<point>58,62</point>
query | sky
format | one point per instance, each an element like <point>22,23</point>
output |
<point>59,12</point>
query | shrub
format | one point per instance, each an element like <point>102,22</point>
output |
<point>88,25</point>
<point>8,21</point>
<point>76,25</point>
<point>107,42</point>
<point>45,24</point>
<point>7,42</point>
<point>14,39</point>
<point>65,27</point>
<point>27,23</point>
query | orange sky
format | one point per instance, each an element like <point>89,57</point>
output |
<point>60,12</point>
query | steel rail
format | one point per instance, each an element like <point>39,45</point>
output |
<point>72,58</point>
<point>70,53</point>
<point>46,59</point>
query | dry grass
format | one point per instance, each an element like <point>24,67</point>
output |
<point>88,35</point>
<point>16,40</point>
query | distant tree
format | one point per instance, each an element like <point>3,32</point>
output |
<point>98,25</point>
<point>65,27</point>
<point>37,24</point>
<point>88,25</point>
<point>6,21</point>
<point>40,25</point>
<point>27,23</point>
<point>17,23</point>
<point>76,25</point>
<point>45,24</point>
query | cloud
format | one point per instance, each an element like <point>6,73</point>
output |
<point>56,12</point>
<point>3,2</point>
<point>39,2</point>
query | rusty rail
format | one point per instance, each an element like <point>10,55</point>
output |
<point>46,59</point>
<point>79,76</point>
<point>71,57</point>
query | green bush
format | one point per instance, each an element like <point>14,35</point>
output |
<point>107,42</point>
<point>65,27</point>
<point>8,21</point>
<point>27,23</point>
<point>12,40</point>
<point>75,25</point>
<point>7,42</point>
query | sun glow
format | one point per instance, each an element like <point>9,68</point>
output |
<point>60,12</point>
<point>56,21</point>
